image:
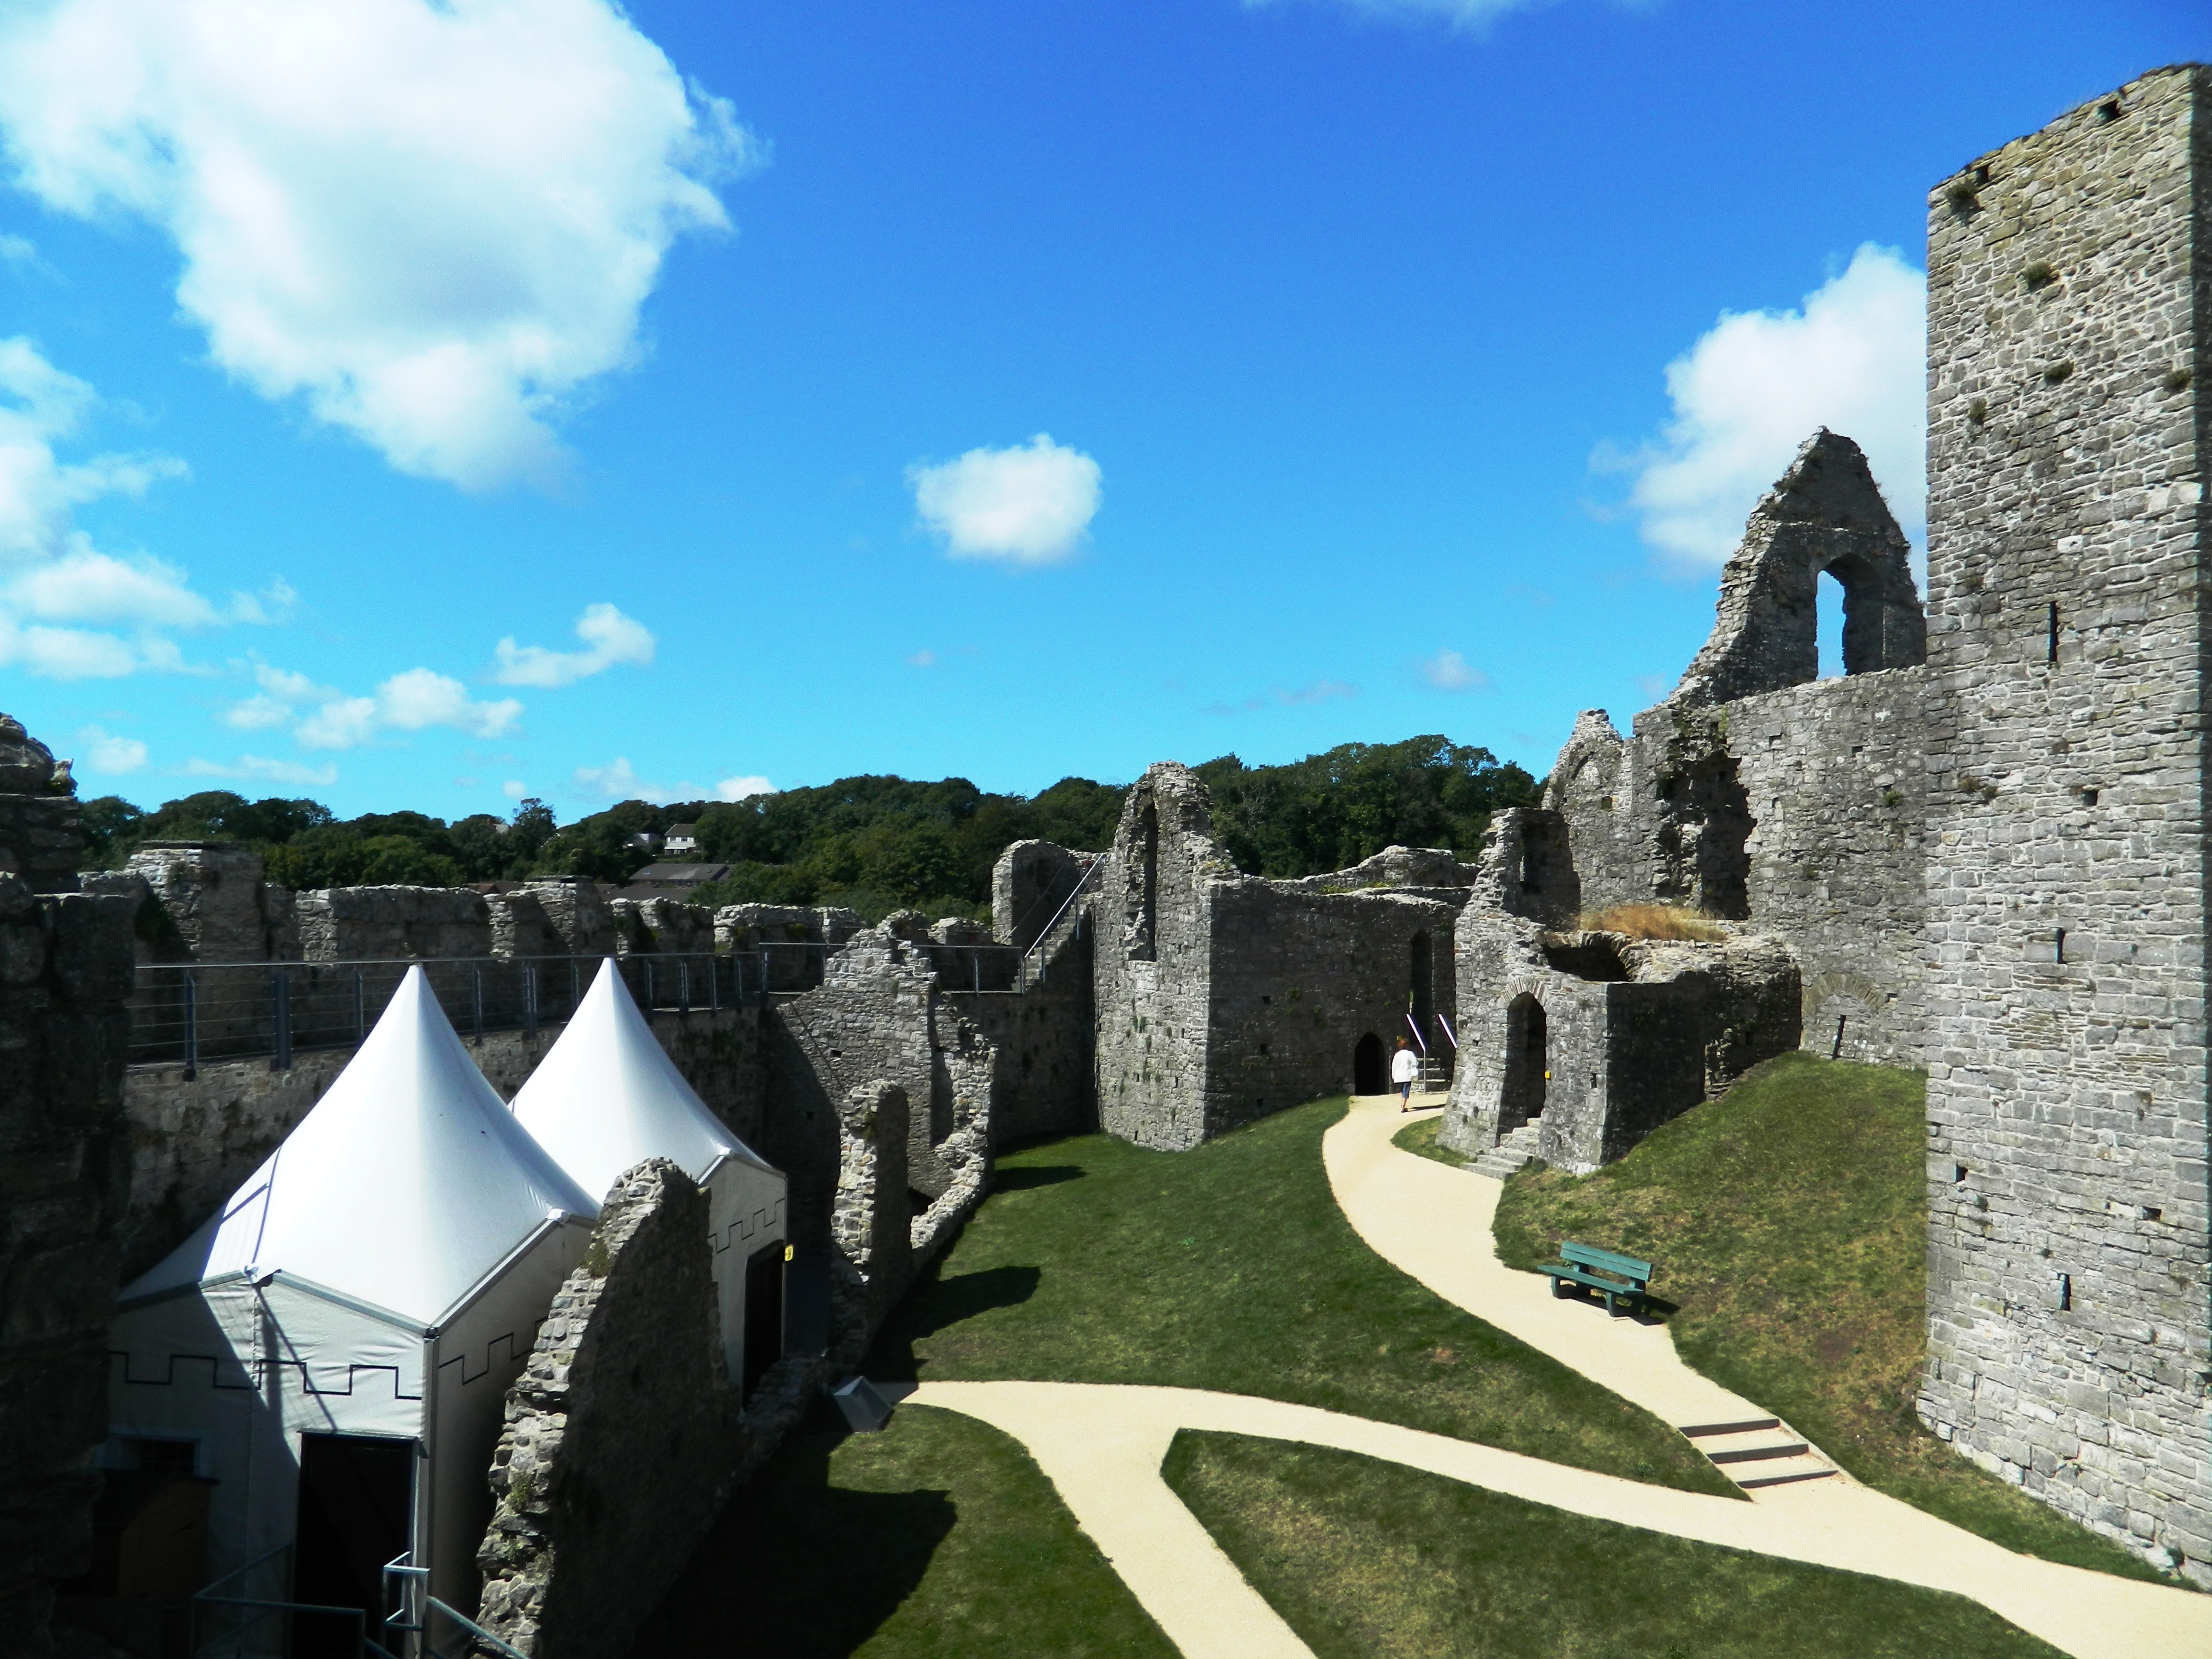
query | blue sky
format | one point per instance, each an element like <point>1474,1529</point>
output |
<point>1004,390</point>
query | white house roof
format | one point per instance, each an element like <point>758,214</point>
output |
<point>405,1187</point>
<point>606,1097</point>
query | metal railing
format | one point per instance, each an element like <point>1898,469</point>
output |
<point>250,1633</point>
<point>192,1013</point>
<point>407,1594</point>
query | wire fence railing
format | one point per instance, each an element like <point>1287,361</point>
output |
<point>193,1013</point>
<point>196,1013</point>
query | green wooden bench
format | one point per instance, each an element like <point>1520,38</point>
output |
<point>1585,1266</point>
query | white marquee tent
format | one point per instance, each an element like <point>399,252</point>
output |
<point>606,1097</point>
<point>375,1285</point>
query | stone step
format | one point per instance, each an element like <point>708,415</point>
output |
<point>1759,1452</point>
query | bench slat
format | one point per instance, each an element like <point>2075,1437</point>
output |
<point>1560,1270</point>
<point>1589,1255</point>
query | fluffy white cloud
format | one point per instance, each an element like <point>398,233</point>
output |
<point>1028,505</point>
<point>743,789</point>
<point>260,769</point>
<point>323,717</point>
<point>1448,670</point>
<point>609,638</point>
<point>618,781</point>
<point>514,789</point>
<point>1756,384</point>
<point>108,755</point>
<point>433,219</point>
<point>68,609</point>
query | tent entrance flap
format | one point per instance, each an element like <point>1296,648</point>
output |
<point>763,1314</point>
<point>356,1496</point>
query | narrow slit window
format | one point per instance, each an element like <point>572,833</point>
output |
<point>2050,642</point>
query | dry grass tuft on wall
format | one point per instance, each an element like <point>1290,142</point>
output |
<point>1653,921</point>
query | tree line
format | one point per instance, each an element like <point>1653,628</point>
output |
<point>876,844</point>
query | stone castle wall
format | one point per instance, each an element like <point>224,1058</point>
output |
<point>65,962</point>
<point>2070,279</point>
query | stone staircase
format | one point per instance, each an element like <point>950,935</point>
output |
<point>1762,1451</point>
<point>1517,1149</point>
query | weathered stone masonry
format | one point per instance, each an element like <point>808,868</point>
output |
<point>2069,294</point>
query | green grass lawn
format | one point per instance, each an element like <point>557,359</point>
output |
<point>938,1538</point>
<point>1230,1267</point>
<point>1788,1222</point>
<point>1419,1137</point>
<point>1371,1561</point>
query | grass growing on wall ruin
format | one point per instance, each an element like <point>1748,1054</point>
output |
<point>937,1539</point>
<point>1230,1266</point>
<point>1788,1223</point>
<point>1366,1560</point>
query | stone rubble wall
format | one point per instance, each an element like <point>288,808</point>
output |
<point>1031,886</point>
<point>216,900</point>
<point>623,1438</point>
<point>65,965</point>
<point>664,925</point>
<point>393,924</point>
<point>1042,1038</point>
<point>1634,1033</point>
<point>2069,302</point>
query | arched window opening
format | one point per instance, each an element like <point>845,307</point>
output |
<point>1370,1074</point>
<point>1527,1064</point>
<point>1829,624</point>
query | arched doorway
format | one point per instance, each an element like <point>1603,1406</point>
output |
<point>1527,1060</point>
<point>1369,1075</point>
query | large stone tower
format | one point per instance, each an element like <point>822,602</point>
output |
<point>2070,287</point>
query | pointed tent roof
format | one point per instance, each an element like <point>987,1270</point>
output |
<point>606,1097</point>
<point>405,1187</point>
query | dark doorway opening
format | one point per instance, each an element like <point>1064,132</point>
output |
<point>1527,1063</point>
<point>763,1314</point>
<point>356,1497</point>
<point>1369,1075</point>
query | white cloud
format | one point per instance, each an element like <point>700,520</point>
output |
<point>514,789</point>
<point>70,609</point>
<point>923,659</point>
<point>1756,384</point>
<point>434,223</point>
<point>743,789</point>
<point>110,756</point>
<point>259,769</point>
<point>1470,14</point>
<point>1448,670</point>
<point>618,781</point>
<point>410,702</point>
<point>418,699</point>
<point>609,638</point>
<point>1028,505</point>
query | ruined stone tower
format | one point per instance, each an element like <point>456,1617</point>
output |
<point>2070,287</point>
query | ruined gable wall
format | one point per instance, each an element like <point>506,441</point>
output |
<point>1297,978</point>
<point>1830,838</point>
<point>2068,280</point>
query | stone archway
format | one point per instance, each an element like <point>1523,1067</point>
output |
<point>1527,1063</point>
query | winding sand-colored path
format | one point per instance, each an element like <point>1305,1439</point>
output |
<point>1101,1447</point>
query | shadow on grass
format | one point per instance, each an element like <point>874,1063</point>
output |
<point>1038,1174</point>
<point>798,1567</point>
<point>938,1302</point>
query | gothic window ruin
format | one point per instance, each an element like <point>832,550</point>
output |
<point>1527,1063</point>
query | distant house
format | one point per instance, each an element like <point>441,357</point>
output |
<point>682,838</point>
<point>671,880</point>
<point>645,840</point>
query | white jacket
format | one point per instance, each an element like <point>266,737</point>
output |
<point>1405,1066</point>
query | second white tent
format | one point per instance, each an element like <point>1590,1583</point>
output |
<point>607,1096</point>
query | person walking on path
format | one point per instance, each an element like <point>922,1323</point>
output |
<point>1405,1066</point>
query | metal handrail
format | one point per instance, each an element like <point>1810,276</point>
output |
<point>1097,862</point>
